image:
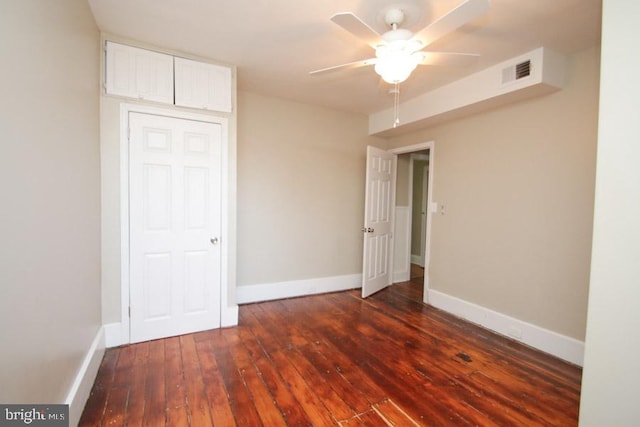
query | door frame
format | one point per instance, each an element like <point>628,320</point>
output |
<point>431,146</point>
<point>228,312</point>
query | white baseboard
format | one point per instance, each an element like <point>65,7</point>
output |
<point>562,346</point>
<point>83,382</point>
<point>296,288</point>
<point>229,316</point>
<point>114,335</point>
<point>417,259</point>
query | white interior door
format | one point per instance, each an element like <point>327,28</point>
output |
<point>175,221</point>
<point>378,220</point>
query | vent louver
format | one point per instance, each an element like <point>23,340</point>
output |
<point>516,72</point>
<point>523,69</point>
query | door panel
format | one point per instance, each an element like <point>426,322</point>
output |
<point>157,197</point>
<point>195,192</point>
<point>175,190</point>
<point>157,285</point>
<point>196,281</point>
<point>378,226</point>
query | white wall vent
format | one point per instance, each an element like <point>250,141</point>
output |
<point>516,72</point>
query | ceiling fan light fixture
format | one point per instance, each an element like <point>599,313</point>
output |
<point>395,66</point>
<point>397,35</point>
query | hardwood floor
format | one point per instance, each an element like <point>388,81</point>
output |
<point>335,360</point>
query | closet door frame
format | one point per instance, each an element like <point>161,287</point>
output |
<point>228,308</point>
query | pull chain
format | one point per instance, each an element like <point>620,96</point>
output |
<point>396,105</point>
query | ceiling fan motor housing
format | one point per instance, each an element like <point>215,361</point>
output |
<point>394,17</point>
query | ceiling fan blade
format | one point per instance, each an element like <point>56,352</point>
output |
<point>347,66</point>
<point>456,18</point>
<point>453,59</point>
<point>357,27</point>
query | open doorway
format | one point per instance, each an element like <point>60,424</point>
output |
<point>419,176</point>
<point>414,184</point>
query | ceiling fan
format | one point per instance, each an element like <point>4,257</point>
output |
<point>399,51</point>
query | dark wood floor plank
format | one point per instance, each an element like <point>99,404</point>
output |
<point>367,392</point>
<point>93,413</point>
<point>339,409</point>
<point>291,339</point>
<point>303,393</point>
<point>198,404</point>
<point>393,415</point>
<point>374,351</point>
<point>313,406</point>
<point>336,359</point>
<point>124,367</point>
<point>217,396</point>
<point>239,398</point>
<point>261,397</point>
<point>290,408</point>
<point>155,393</point>
<point>371,419</point>
<point>135,408</point>
<point>348,392</point>
<point>177,404</point>
<point>116,406</point>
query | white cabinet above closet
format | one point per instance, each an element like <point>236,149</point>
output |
<point>201,85</point>
<point>139,73</point>
<point>152,76</point>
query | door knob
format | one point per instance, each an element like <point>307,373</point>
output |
<point>214,240</point>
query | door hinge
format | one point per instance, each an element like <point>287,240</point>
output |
<point>129,311</point>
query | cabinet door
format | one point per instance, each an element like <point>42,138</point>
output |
<point>201,85</point>
<point>139,73</point>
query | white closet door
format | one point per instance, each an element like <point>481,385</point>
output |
<point>175,222</point>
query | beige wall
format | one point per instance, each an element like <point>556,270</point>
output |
<point>300,190</point>
<point>50,186</point>
<point>518,185</point>
<point>611,374</point>
<point>402,180</point>
<point>110,193</point>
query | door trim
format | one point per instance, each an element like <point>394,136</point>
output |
<point>228,311</point>
<point>431,146</point>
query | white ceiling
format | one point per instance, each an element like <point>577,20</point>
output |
<point>275,43</point>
